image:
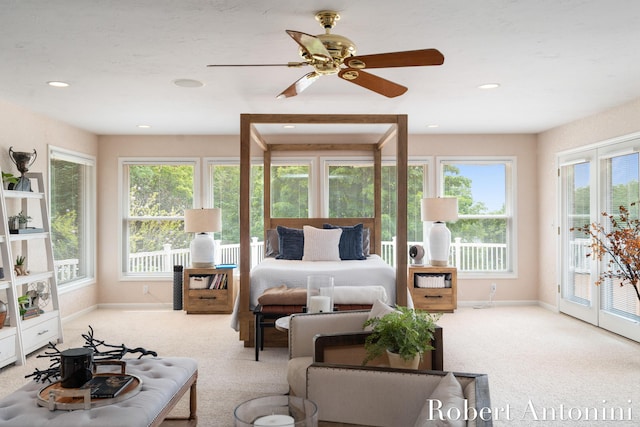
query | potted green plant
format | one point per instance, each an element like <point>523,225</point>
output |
<point>404,334</point>
<point>20,267</point>
<point>9,180</point>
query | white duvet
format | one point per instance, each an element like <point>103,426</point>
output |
<point>275,272</point>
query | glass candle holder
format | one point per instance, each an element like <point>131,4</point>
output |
<point>319,293</point>
<point>280,411</point>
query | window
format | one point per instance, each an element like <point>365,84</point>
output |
<point>156,193</point>
<point>483,236</point>
<point>72,211</point>
<point>290,182</point>
<point>224,179</point>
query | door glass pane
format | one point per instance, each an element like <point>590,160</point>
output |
<point>576,285</point>
<point>621,177</point>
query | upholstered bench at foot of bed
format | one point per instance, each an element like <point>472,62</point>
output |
<point>164,382</point>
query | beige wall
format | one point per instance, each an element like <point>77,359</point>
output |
<point>536,194</point>
<point>523,287</point>
<point>619,121</point>
<point>24,131</point>
<point>113,289</point>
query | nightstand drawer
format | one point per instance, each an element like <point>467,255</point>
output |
<point>433,297</point>
<point>207,299</point>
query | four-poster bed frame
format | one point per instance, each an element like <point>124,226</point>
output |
<point>249,133</point>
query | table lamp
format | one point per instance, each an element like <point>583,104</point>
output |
<point>202,222</point>
<point>439,210</point>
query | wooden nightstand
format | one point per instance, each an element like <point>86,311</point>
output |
<point>208,290</point>
<point>434,299</point>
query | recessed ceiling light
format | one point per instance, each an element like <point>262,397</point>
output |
<point>432,126</point>
<point>58,84</point>
<point>144,126</point>
<point>188,83</point>
<point>489,86</point>
<point>289,126</point>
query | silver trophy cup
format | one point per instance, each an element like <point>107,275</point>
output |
<point>23,162</point>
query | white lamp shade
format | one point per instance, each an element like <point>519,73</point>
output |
<point>443,209</point>
<point>202,220</point>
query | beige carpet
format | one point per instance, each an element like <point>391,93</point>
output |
<point>537,361</point>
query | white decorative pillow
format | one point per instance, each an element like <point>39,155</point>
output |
<point>320,244</point>
<point>447,398</point>
<point>378,309</point>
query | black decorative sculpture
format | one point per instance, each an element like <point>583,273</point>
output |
<point>112,352</point>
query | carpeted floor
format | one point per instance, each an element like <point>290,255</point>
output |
<point>540,364</point>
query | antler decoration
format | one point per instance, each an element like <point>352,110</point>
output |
<point>112,352</point>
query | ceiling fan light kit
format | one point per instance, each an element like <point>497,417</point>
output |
<point>335,54</point>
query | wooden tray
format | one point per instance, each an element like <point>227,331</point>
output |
<point>55,397</point>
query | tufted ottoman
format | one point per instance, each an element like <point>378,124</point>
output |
<point>164,382</point>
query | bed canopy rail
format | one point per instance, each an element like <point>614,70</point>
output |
<point>249,134</point>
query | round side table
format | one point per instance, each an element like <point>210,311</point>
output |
<point>280,411</point>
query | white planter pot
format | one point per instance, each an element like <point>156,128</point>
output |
<point>395,361</point>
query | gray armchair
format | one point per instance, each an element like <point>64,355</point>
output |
<point>376,396</point>
<point>336,338</point>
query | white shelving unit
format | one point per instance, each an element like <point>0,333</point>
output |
<point>19,336</point>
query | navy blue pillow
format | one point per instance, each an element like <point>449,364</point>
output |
<point>291,243</point>
<point>350,242</point>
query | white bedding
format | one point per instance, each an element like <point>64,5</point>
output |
<point>275,272</point>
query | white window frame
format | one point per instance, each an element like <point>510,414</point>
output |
<point>511,204</point>
<point>123,208</point>
<point>89,233</point>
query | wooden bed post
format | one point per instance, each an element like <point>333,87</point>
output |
<point>402,159</point>
<point>244,315</point>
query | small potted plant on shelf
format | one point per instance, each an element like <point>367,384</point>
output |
<point>19,221</point>
<point>404,334</point>
<point>20,267</point>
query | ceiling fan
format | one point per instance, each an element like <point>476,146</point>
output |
<point>334,54</point>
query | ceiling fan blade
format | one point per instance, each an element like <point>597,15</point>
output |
<point>300,85</point>
<point>410,58</point>
<point>288,64</point>
<point>312,45</point>
<point>371,82</point>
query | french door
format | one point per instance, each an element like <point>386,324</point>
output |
<point>578,293</point>
<point>592,182</point>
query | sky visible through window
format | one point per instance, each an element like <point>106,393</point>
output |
<point>487,184</point>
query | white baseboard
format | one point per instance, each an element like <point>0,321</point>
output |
<point>79,313</point>
<point>502,303</point>
<point>137,306</point>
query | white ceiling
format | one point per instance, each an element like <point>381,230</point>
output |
<point>556,61</point>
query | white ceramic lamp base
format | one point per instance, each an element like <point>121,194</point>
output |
<point>202,251</point>
<point>439,244</point>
